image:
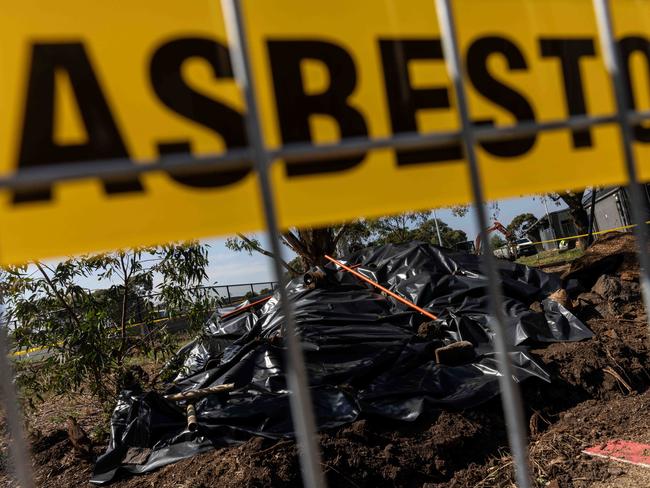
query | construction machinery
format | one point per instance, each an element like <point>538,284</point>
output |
<point>509,251</point>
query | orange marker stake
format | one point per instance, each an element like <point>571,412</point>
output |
<point>385,290</point>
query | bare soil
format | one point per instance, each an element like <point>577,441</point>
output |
<point>599,392</point>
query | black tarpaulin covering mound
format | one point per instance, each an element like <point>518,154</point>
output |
<point>366,354</point>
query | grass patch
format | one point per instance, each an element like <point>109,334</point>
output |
<point>553,256</point>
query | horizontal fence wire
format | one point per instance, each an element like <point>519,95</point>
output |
<point>186,163</point>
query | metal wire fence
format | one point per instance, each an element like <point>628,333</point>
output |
<point>469,136</point>
<point>238,292</point>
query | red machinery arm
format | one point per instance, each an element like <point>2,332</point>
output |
<point>496,226</point>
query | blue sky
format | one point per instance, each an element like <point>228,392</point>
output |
<point>228,267</point>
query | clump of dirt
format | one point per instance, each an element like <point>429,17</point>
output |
<point>432,329</point>
<point>599,391</point>
<point>612,296</point>
<point>606,279</point>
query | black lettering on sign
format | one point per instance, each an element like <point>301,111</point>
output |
<point>38,147</point>
<point>294,106</point>
<point>404,101</point>
<point>628,46</point>
<point>569,52</point>
<point>166,77</point>
<point>498,93</point>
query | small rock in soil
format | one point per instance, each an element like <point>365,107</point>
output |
<point>607,287</point>
<point>588,298</point>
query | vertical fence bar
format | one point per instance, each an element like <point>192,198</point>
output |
<point>300,398</point>
<point>510,396</point>
<point>435,219</point>
<point>612,58</point>
<point>592,216</point>
<point>18,447</point>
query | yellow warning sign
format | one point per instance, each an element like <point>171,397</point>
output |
<point>82,82</point>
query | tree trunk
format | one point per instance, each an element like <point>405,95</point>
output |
<point>581,221</point>
<point>311,244</point>
<point>123,321</point>
<point>578,213</point>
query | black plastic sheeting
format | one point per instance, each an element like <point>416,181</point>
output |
<point>362,350</point>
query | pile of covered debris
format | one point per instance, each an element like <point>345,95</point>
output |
<point>367,354</point>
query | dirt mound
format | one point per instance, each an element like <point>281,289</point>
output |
<point>599,391</point>
<point>604,282</point>
<point>556,454</point>
<point>611,254</point>
<point>613,362</point>
<point>365,453</point>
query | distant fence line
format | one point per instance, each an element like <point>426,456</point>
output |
<point>233,293</point>
<point>142,307</point>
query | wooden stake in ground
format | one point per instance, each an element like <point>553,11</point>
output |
<point>79,439</point>
<point>192,423</point>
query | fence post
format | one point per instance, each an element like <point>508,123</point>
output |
<point>18,446</point>
<point>510,396</point>
<point>302,412</point>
